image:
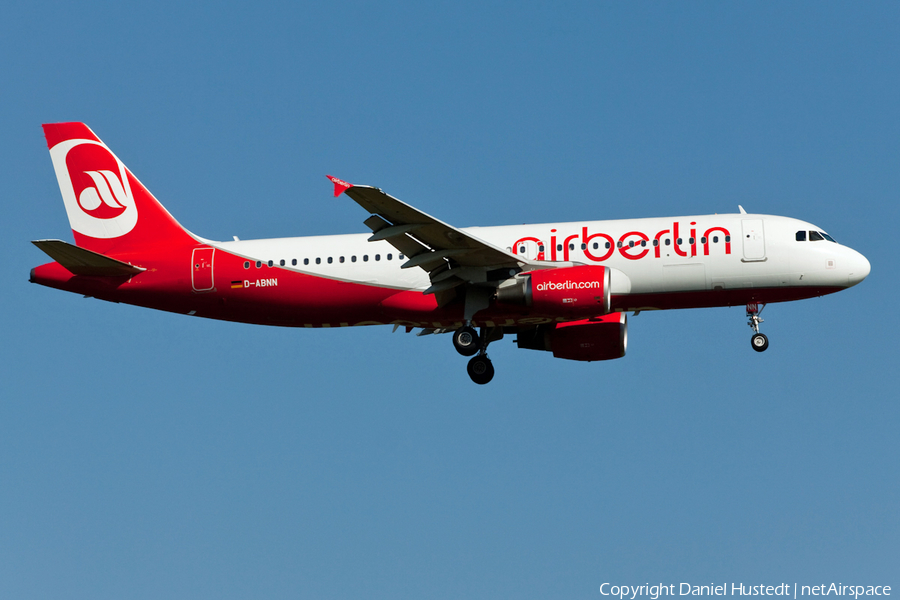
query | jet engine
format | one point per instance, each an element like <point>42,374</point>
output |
<point>600,338</point>
<point>570,292</point>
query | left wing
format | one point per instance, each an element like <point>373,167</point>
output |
<point>451,256</point>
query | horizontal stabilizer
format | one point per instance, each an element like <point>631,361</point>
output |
<point>85,262</point>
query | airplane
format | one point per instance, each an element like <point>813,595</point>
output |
<point>564,288</point>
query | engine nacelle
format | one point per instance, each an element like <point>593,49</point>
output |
<point>571,292</point>
<point>600,338</point>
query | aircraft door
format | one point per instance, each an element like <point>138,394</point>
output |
<point>754,239</point>
<point>202,269</point>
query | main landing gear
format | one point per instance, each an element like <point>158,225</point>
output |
<point>480,369</point>
<point>468,343</point>
<point>759,341</point>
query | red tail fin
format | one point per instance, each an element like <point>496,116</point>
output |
<point>110,211</point>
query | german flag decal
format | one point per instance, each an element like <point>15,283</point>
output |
<point>235,285</point>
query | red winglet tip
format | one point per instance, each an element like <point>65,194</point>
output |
<point>340,186</point>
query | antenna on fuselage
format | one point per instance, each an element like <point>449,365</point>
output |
<point>741,208</point>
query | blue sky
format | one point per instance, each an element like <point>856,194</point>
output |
<point>148,455</point>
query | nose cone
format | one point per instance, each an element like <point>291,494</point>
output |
<point>859,268</point>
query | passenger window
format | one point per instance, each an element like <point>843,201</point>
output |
<point>559,247</point>
<point>246,264</point>
<point>365,258</point>
<point>390,256</point>
<point>330,260</point>
<point>571,246</point>
<point>727,238</point>
<point>271,263</point>
<point>691,241</point>
<point>678,241</point>
<point>631,244</point>
<point>815,236</point>
<point>305,261</point>
<point>703,240</point>
<point>715,239</point>
<point>596,246</point>
<point>607,245</point>
<point>318,261</point>
<point>541,248</point>
<point>801,236</point>
<point>377,257</point>
<point>294,262</point>
<point>399,257</point>
<point>521,249</point>
<point>281,263</point>
<point>643,243</point>
<point>353,258</point>
<point>655,243</point>
<point>584,246</point>
<point>341,259</point>
<point>668,242</point>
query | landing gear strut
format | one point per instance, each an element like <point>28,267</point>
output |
<point>468,343</point>
<point>759,341</point>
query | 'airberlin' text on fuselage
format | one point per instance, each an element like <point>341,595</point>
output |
<point>633,245</point>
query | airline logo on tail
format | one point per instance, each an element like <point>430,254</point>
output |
<point>95,189</point>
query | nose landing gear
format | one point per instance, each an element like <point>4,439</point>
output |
<point>468,343</point>
<point>759,341</point>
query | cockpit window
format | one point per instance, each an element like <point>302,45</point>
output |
<point>828,237</point>
<point>801,236</point>
<point>815,236</point>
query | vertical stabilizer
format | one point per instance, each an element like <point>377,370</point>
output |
<point>110,211</point>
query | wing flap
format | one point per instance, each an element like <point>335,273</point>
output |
<point>394,231</point>
<point>394,236</point>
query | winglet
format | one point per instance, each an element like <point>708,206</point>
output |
<point>340,186</point>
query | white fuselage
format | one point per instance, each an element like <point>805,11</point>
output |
<point>716,252</point>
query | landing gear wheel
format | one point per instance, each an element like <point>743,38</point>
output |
<point>466,341</point>
<point>480,369</point>
<point>759,342</point>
